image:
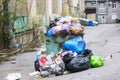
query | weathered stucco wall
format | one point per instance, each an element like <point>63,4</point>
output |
<point>91,16</point>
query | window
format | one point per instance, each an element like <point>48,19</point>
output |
<point>114,5</point>
<point>101,5</point>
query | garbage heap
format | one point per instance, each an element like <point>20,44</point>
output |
<point>65,26</point>
<point>73,56</point>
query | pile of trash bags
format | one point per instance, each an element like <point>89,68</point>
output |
<point>66,61</point>
<point>63,26</point>
<point>73,57</point>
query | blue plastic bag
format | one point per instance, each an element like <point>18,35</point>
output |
<point>90,23</point>
<point>76,45</point>
<point>49,32</point>
<point>38,55</point>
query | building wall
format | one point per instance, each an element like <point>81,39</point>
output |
<point>91,16</point>
<point>19,8</point>
<point>101,11</point>
<point>60,7</point>
<point>32,12</point>
<point>77,7</point>
<point>90,4</point>
<point>48,10</point>
<point>56,8</point>
<point>82,7</point>
<point>107,14</point>
<point>36,11</point>
<point>73,6</point>
<point>23,39</point>
<point>28,9</point>
<point>90,10</point>
<point>112,12</point>
<point>65,8</point>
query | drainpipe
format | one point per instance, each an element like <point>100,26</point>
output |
<point>96,10</point>
<point>106,10</point>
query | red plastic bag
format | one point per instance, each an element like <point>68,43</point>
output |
<point>43,61</point>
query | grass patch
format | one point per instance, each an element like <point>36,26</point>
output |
<point>3,57</point>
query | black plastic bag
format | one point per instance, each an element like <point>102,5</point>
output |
<point>63,33</point>
<point>57,19</point>
<point>79,63</point>
<point>52,24</point>
<point>59,69</point>
<point>37,66</point>
<point>87,53</point>
<point>67,58</point>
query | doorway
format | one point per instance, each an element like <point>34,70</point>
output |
<point>101,18</point>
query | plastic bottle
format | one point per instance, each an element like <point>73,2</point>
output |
<point>38,55</point>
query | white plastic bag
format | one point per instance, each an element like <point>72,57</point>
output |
<point>13,76</point>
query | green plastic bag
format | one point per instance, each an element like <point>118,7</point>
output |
<point>96,61</point>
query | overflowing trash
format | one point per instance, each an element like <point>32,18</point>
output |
<point>49,66</point>
<point>13,76</point>
<point>65,26</point>
<point>78,63</point>
<point>76,44</point>
<point>73,56</point>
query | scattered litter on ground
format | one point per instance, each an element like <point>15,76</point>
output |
<point>108,57</point>
<point>35,74</point>
<point>13,62</point>
<point>88,22</point>
<point>13,76</point>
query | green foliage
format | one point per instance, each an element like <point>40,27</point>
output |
<point>34,25</point>
<point>5,23</point>
<point>13,17</point>
<point>21,1</point>
<point>6,1</point>
<point>79,15</point>
<point>3,57</point>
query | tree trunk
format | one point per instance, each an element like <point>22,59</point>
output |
<point>6,24</point>
<point>1,29</point>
